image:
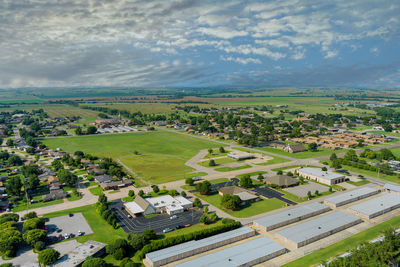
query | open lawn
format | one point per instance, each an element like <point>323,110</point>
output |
<point>218,162</point>
<point>216,153</point>
<point>274,160</point>
<point>97,191</point>
<point>229,169</point>
<point>302,155</point>
<point>22,205</point>
<point>246,211</point>
<point>162,155</point>
<point>102,231</point>
<point>340,247</point>
<point>215,181</point>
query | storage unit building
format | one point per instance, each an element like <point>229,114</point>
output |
<point>325,177</point>
<point>318,228</point>
<point>187,249</point>
<point>376,206</point>
<point>348,197</point>
<point>246,254</point>
<point>286,217</point>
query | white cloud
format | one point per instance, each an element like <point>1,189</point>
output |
<point>222,32</point>
<point>331,54</point>
<point>243,61</point>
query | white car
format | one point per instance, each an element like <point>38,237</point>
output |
<point>166,230</point>
<point>173,217</point>
<point>129,216</point>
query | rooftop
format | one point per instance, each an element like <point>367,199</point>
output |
<point>351,195</point>
<point>313,228</point>
<point>296,212</point>
<point>238,255</point>
<point>320,173</point>
<point>80,253</point>
<point>377,204</point>
<point>194,244</point>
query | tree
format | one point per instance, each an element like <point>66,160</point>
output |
<point>137,241</point>
<point>316,193</point>
<point>231,202</point>
<point>156,189</point>
<point>222,149</point>
<point>149,234</point>
<point>309,195</point>
<point>33,182</point>
<point>246,181</point>
<point>324,169</point>
<point>34,223</point>
<point>30,215</point>
<point>67,177</point>
<point>312,147</point>
<point>260,177</point>
<point>336,164</point>
<point>205,210</point>
<point>35,235</point>
<point>39,245</point>
<point>48,256</point>
<point>10,239</point>
<point>14,160</point>
<point>173,192</point>
<point>183,193</point>
<point>131,193</point>
<point>57,165</point>
<point>280,172</point>
<point>212,163</point>
<point>91,130</point>
<point>189,181</point>
<point>204,188</point>
<point>13,186</point>
<point>330,189</point>
<point>78,130</point>
<point>10,143</point>
<point>94,262</point>
<point>79,153</point>
<point>141,193</point>
<point>197,203</point>
<point>210,151</point>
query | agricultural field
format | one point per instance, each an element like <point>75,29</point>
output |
<point>161,155</point>
<point>136,107</point>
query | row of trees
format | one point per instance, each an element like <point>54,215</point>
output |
<point>105,213</point>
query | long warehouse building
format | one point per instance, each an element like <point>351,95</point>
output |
<point>286,217</point>
<point>352,196</point>
<point>376,206</point>
<point>246,254</point>
<point>187,249</point>
<point>305,233</point>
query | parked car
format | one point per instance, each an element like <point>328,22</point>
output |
<point>179,226</point>
<point>71,214</point>
<point>173,217</point>
<point>129,216</point>
<point>166,230</point>
<point>80,233</point>
<point>58,230</point>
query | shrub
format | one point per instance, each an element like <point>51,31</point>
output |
<point>34,223</point>
<point>30,215</point>
<point>9,217</point>
<point>197,203</point>
<point>39,245</point>
<point>48,256</point>
<point>173,192</point>
<point>183,193</point>
<point>189,181</point>
<point>227,220</point>
<point>94,262</point>
<point>35,235</point>
<point>212,163</point>
<point>131,193</point>
<point>119,254</point>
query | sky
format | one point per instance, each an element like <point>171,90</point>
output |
<point>203,43</point>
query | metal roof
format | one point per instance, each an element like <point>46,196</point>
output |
<point>324,224</point>
<point>377,204</point>
<point>296,212</point>
<point>237,255</point>
<point>321,174</point>
<point>195,244</point>
<point>392,187</point>
<point>351,195</point>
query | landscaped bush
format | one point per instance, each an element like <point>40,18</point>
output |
<point>34,223</point>
<point>9,217</point>
<point>227,220</point>
<point>94,262</point>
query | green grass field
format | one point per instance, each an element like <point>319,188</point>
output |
<point>347,244</point>
<point>274,160</point>
<point>97,191</point>
<point>22,204</point>
<point>218,162</point>
<point>229,169</point>
<point>162,154</point>
<point>253,209</point>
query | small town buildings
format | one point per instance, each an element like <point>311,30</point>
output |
<point>104,178</point>
<point>282,180</point>
<point>114,185</point>
<point>79,254</point>
<point>240,155</point>
<point>294,148</point>
<point>394,164</point>
<point>324,177</point>
<point>246,196</point>
<point>162,204</point>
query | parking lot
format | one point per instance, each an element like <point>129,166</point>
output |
<point>302,190</point>
<point>270,193</point>
<point>68,225</point>
<point>157,223</point>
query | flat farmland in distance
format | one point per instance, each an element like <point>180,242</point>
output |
<point>55,110</point>
<point>136,107</point>
<point>162,155</point>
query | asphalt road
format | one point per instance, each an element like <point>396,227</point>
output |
<point>157,223</point>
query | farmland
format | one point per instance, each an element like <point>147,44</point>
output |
<point>161,155</point>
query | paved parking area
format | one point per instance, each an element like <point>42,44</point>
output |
<point>271,193</point>
<point>157,223</point>
<point>302,190</point>
<point>69,225</point>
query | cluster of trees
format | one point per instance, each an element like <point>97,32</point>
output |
<point>34,233</point>
<point>67,177</point>
<point>175,240</point>
<point>112,167</point>
<point>230,202</point>
<point>204,188</point>
<point>246,181</point>
<point>371,254</point>
<point>89,130</point>
<point>105,213</point>
<point>10,237</point>
<point>208,218</point>
<point>351,159</point>
<point>9,160</point>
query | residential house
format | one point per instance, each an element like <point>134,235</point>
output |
<point>294,148</point>
<point>246,196</point>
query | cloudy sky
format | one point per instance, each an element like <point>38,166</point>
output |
<point>199,43</point>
